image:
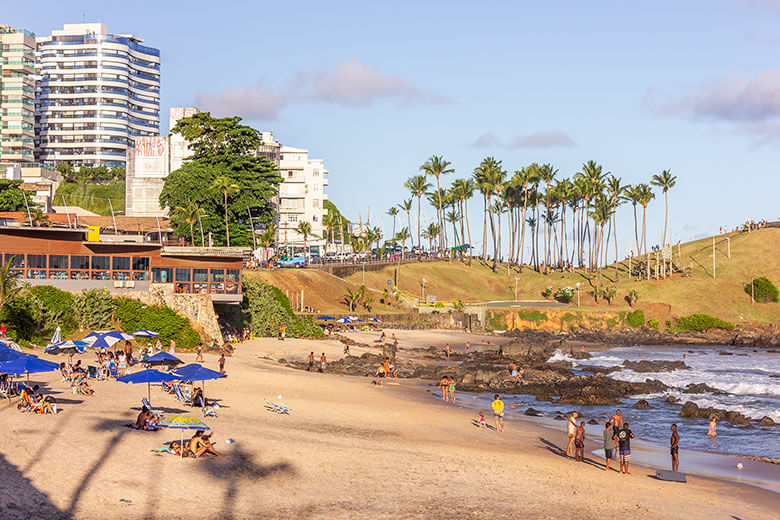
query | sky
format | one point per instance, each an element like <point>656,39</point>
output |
<point>375,88</point>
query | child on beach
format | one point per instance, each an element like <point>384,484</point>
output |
<point>482,421</point>
<point>712,431</point>
<point>222,363</point>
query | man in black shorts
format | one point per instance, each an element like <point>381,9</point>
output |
<point>675,441</point>
<point>609,442</point>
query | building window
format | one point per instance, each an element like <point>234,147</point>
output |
<point>79,262</point>
<point>316,203</point>
<point>36,261</point>
<point>121,263</point>
<point>217,275</point>
<point>58,261</point>
<point>140,263</point>
<point>314,218</point>
<point>162,274</point>
<point>101,262</point>
<point>292,218</point>
<point>200,275</point>
<point>182,275</point>
<point>316,172</point>
<point>16,261</point>
<point>290,174</point>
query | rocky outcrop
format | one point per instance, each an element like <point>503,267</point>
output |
<point>647,365</point>
<point>766,421</point>
<point>533,412</point>
<point>671,400</point>
<point>690,409</point>
<point>701,388</point>
<point>642,404</point>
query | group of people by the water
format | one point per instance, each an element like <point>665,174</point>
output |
<point>447,386</point>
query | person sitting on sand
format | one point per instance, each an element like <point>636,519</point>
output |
<point>579,443</point>
<point>498,412</point>
<point>206,446</point>
<point>447,350</point>
<point>513,369</point>
<point>37,401</point>
<point>571,430</point>
<point>444,385</point>
<point>146,420</point>
<point>382,337</point>
<point>83,385</point>
<point>197,395</point>
<point>468,348</point>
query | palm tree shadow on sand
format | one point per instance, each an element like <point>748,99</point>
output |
<point>36,503</point>
<point>237,469</point>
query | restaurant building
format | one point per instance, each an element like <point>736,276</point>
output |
<point>73,259</point>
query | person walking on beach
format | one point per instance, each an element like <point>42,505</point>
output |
<point>172,347</point>
<point>579,443</point>
<point>571,431</point>
<point>444,385</point>
<point>346,347</point>
<point>199,350</point>
<point>323,362</point>
<point>498,412</point>
<point>452,384</point>
<point>222,363</point>
<point>624,437</point>
<point>608,444</point>
<point>675,450</point>
<point>310,362</point>
<point>282,332</point>
<point>617,420</point>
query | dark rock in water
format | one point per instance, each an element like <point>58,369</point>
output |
<point>671,399</point>
<point>533,412</point>
<point>701,388</point>
<point>560,418</point>
<point>766,421</point>
<point>647,365</point>
<point>593,421</point>
<point>282,361</point>
<point>579,354</point>
<point>738,418</point>
<point>742,354</point>
<point>724,353</point>
<point>543,398</point>
<point>642,403</point>
<point>600,370</point>
<point>689,409</point>
<point>775,375</point>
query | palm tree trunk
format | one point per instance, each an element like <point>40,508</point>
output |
<point>636,232</point>
<point>644,240</point>
<point>409,221</point>
<point>419,198</point>
<point>441,217</point>
<point>492,232</point>
<point>666,218</point>
<point>468,228</point>
<point>192,234</point>
<point>522,233</point>
<point>614,230</point>
<point>227,229</point>
<point>484,228</point>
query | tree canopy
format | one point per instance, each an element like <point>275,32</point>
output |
<point>222,147</point>
<point>12,196</point>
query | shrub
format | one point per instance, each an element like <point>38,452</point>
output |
<point>609,293</point>
<point>565,294</point>
<point>763,290</point>
<point>653,323</point>
<point>701,322</point>
<point>267,307</point>
<point>635,319</point>
<point>632,297</point>
<point>535,316</point>
<point>457,305</point>
<point>547,292</point>
<point>53,307</point>
<point>134,315</point>
<point>19,316</point>
<point>93,309</point>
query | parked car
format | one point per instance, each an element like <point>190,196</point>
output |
<point>295,261</point>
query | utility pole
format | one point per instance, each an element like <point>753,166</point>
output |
<point>728,243</point>
<point>713,257</point>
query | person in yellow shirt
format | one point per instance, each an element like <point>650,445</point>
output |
<point>498,412</point>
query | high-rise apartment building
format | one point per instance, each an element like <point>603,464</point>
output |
<point>96,92</point>
<point>301,197</point>
<point>17,95</point>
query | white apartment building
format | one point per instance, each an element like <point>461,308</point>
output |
<point>17,95</point>
<point>301,197</point>
<point>96,92</point>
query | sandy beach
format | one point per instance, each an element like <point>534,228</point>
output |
<point>348,450</point>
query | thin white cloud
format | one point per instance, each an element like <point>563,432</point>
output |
<point>355,83</point>
<point>533,140</point>
<point>248,102</point>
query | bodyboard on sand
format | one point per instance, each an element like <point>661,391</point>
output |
<point>673,476</point>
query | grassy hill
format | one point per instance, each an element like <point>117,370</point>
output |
<point>752,254</point>
<point>93,197</point>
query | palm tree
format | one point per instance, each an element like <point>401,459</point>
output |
<point>436,166</point>
<point>617,195</point>
<point>406,205</point>
<point>431,232</point>
<point>39,218</point>
<point>228,188</point>
<point>526,176</point>
<point>453,217</point>
<point>9,285</point>
<point>189,214</point>
<point>418,186</point>
<point>464,190</point>
<point>633,193</point>
<point>645,196</point>
<point>267,237</point>
<point>403,236</point>
<point>547,174</point>
<point>665,181</point>
<point>393,212</point>
<point>304,228</point>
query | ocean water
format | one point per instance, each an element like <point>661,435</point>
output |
<point>745,375</point>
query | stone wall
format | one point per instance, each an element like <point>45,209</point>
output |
<point>198,308</point>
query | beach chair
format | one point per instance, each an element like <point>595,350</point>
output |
<point>92,371</point>
<point>181,396</point>
<point>148,405</point>
<point>113,371</point>
<point>208,411</point>
<point>279,408</point>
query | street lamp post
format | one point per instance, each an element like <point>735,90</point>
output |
<point>516,279</point>
<point>578,294</point>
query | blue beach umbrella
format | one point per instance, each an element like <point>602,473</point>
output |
<point>147,376</point>
<point>196,372</point>
<point>183,422</point>
<point>343,320</point>
<point>163,358</point>
<point>326,318</point>
<point>27,365</point>
<point>8,354</point>
<point>67,347</point>
<point>8,344</point>
<point>145,333</point>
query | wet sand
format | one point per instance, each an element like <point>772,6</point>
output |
<point>348,450</point>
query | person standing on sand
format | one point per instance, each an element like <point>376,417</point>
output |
<point>571,431</point>
<point>346,347</point>
<point>579,443</point>
<point>222,363</point>
<point>447,350</point>
<point>444,385</point>
<point>395,345</point>
<point>310,362</point>
<point>468,348</point>
<point>498,413</point>
<point>608,443</point>
<point>199,350</point>
<point>617,419</point>
<point>172,348</point>
<point>452,384</point>
<point>323,362</point>
<point>513,369</point>
<point>675,450</point>
<point>624,437</point>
